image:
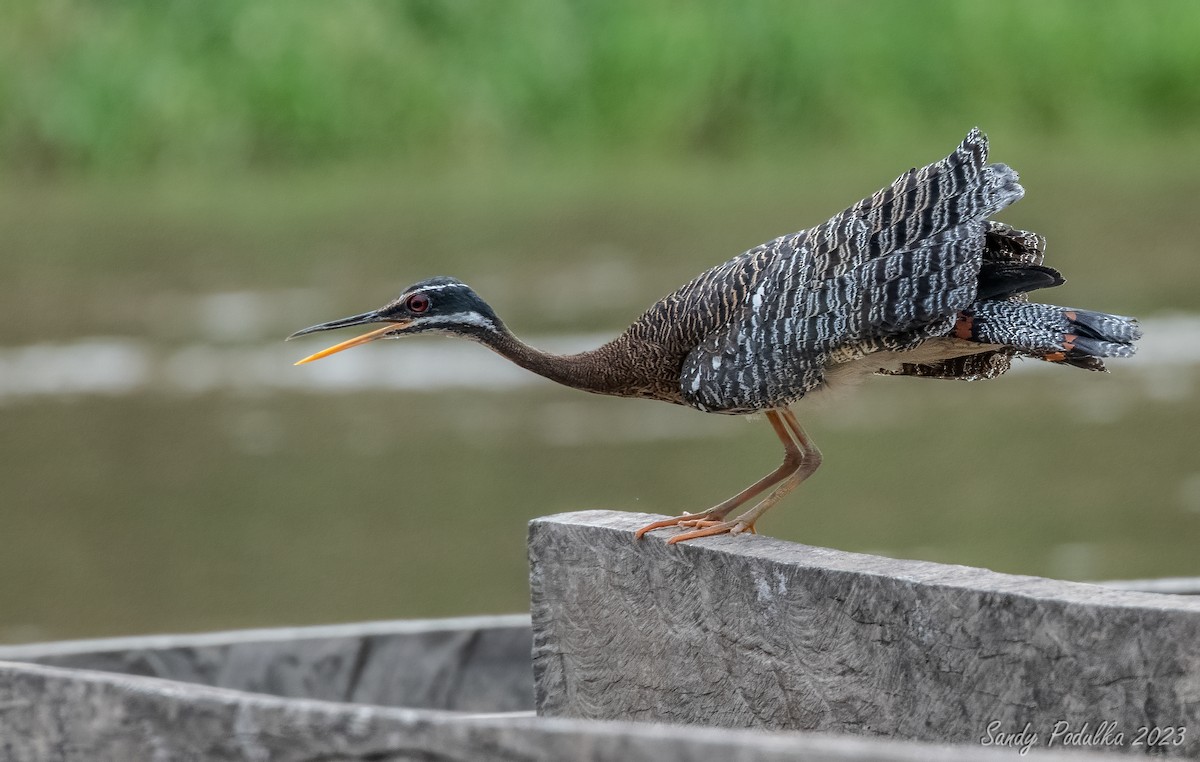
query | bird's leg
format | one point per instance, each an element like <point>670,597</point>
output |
<point>809,461</point>
<point>792,460</point>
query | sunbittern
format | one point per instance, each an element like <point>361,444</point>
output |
<point>915,280</point>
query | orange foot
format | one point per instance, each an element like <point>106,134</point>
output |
<point>687,519</point>
<point>702,527</point>
<point>710,528</point>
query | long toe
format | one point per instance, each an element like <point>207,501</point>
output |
<point>734,526</point>
<point>698,523</point>
<point>686,519</point>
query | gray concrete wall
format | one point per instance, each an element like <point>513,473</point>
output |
<point>49,714</point>
<point>749,631</point>
<point>478,664</point>
<point>732,632</point>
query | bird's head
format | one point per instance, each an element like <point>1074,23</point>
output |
<point>437,305</point>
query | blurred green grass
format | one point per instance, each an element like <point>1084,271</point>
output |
<point>123,87</point>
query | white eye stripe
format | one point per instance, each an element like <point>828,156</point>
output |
<point>458,318</point>
<point>432,288</point>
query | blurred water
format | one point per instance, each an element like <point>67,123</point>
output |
<point>115,366</point>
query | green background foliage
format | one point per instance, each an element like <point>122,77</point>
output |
<point>124,86</point>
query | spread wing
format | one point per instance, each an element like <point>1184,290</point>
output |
<point>887,273</point>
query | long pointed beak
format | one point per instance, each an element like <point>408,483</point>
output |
<point>363,319</point>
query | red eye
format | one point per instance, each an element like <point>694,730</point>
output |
<point>417,303</point>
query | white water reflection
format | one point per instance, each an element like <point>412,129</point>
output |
<point>91,366</point>
<point>120,366</point>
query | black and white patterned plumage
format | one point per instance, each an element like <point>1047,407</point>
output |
<point>885,275</point>
<point>1006,250</point>
<point>889,279</point>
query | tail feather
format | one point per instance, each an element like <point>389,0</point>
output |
<point>1095,348</point>
<point>1055,334</point>
<point>1105,327</point>
<point>1002,280</point>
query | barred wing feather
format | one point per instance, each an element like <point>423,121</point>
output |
<point>887,273</point>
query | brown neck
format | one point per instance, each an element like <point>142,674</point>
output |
<point>590,371</point>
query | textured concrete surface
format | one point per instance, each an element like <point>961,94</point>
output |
<point>49,714</point>
<point>749,631</point>
<point>466,664</point>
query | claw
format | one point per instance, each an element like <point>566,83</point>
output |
<point>657,525</point>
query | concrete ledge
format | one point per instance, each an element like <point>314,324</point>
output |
<point>476,664</point>
<point>754,632</point>
<point>48,713</point>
